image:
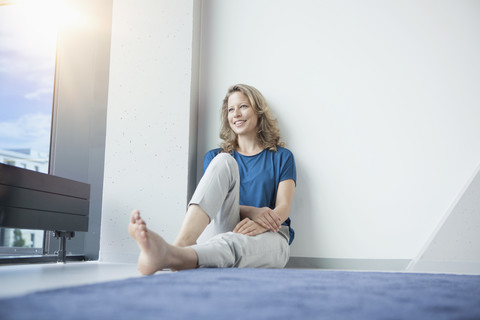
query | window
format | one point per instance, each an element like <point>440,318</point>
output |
<point>27,70</point>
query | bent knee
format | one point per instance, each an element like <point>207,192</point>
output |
<point>224,158</point>
<point>224,161</point>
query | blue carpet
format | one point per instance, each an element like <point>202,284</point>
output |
<point>259,294</point>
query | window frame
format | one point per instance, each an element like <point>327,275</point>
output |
<point>77,148</point>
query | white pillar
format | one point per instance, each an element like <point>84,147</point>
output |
<point>149,120</point>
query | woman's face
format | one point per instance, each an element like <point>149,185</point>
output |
<point>241,116</point>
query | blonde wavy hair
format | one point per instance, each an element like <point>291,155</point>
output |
<point>268,135</point>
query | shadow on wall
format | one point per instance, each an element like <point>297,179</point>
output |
<point>303,212</point>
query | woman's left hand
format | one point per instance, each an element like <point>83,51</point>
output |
<point>249,227</point>
<point>267,218</point>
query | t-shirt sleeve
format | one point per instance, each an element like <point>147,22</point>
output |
<point>288,169</point>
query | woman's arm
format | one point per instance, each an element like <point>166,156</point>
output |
<point>258,220</point>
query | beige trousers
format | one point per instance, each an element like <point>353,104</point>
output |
<point>218,194</point>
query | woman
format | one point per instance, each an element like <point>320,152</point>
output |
<point>241,204</point>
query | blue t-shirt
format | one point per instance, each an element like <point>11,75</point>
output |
<point>260,175</point>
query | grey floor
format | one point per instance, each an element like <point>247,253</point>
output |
<point>21,279</point>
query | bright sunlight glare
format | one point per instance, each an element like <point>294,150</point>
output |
<point>44,18</point>
<point>28,49</point>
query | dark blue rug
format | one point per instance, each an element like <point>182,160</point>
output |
<point>259,294</point>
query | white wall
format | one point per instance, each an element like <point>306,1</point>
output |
<point>455,245</point>
<point>149,120</point>
<point>378,100</point>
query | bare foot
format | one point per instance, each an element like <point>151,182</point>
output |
<point>153,249</point>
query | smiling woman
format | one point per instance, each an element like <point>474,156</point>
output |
<point>28,32</point>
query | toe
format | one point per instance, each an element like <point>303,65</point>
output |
<point>134,216</point>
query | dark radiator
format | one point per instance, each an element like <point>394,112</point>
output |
<point>33,200</point>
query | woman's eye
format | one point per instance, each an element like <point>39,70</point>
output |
<point>243,106</point>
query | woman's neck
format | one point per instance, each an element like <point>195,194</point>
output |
<point>248,147</point>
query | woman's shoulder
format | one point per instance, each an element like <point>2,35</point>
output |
<point>212,153</point>
<point>283,151</point>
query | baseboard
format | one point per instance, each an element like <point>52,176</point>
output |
<point>5,260</point>
<point>348,264</point>
<point>457,267</point>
